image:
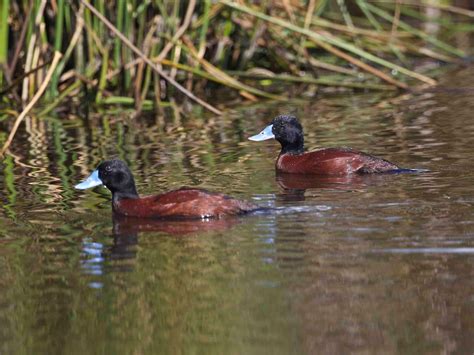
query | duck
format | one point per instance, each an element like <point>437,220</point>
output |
<point>182,203</point>
<point>293,158</point>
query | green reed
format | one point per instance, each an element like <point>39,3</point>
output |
<point>58,38</point>
<point>4,9</point>
<point>237,45</point>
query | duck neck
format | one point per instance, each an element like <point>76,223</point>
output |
<point>130,193</point>
<point>295,148</point>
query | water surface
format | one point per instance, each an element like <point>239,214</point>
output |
<point>366,264</point>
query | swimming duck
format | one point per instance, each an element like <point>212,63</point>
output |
<point>183,203</point>
<point>288,131</point>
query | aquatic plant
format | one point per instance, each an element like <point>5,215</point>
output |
<point>148,54</point>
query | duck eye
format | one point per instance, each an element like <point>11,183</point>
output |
<point>108,168</point>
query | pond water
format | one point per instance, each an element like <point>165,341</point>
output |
<point>365,264</point>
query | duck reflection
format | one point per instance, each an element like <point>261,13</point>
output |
<point>126,229</point>
<point>126,226</point>
<point>294,186</point>
<point>99,258</point>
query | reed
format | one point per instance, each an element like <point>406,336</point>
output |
<point>4,10</point>
<point>143,53</point>
<point>57,45</point>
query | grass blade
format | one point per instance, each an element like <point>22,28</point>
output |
<point>39,93</point>
<point>149,62</point>
<point>58,38</point>
<point>328,41</point>
<point>4,9</point>
<point>440,44</point>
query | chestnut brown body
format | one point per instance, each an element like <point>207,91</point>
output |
<point>182,203</point>
<point>332,161</point>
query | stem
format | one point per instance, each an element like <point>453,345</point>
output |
<point>4,8</point>
<point>36,97</point>
<point>58,38</point>
<point>149,62</point>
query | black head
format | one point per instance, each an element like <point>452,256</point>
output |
<point>118,178</point>
<point>289,132</point>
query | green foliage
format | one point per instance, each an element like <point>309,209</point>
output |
<point>368,45</point>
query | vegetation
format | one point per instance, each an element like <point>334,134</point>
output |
<point>152,50</point>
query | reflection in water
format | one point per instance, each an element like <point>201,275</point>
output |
<point>92,257</point>
<point>120,255</point>
<point>368,264</point>
<point>295,185</point>
<point>131,226</point>
<point>428,250</point>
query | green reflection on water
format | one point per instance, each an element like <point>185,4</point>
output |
<point>9,179</point>
<point>174,295</point>
<point>322,281</point>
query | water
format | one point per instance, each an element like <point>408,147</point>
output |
<point>364,264</point>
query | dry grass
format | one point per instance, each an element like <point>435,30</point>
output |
<point>148,53</point>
